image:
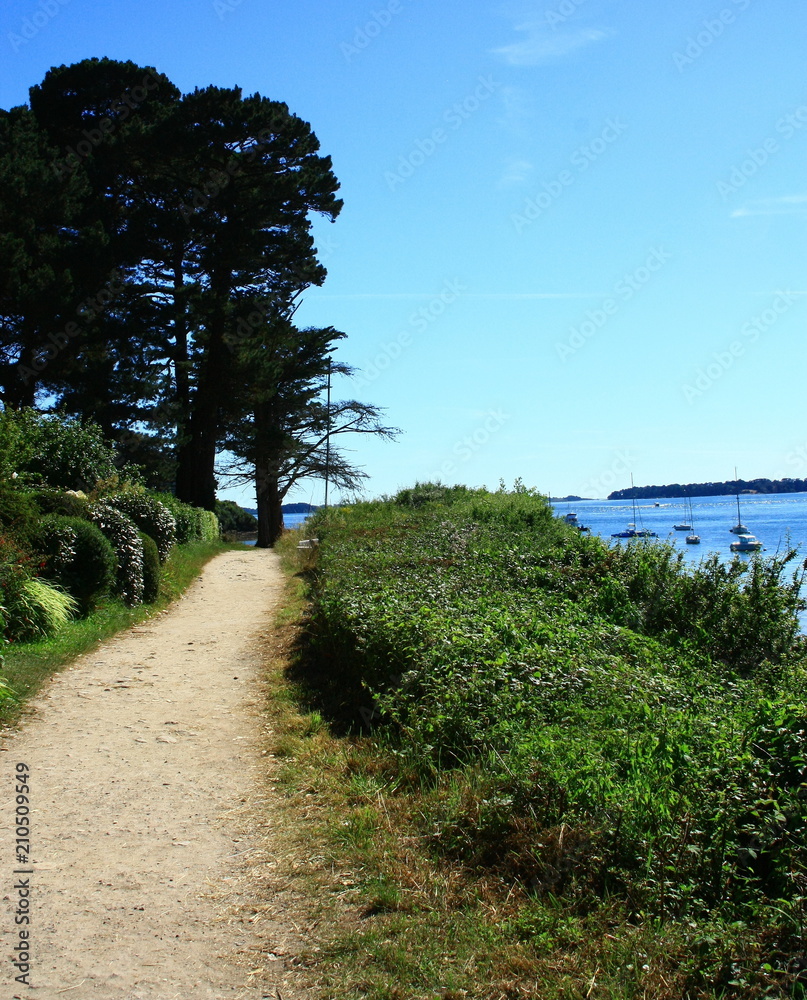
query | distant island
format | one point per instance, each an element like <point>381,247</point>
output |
<point>712,489</point>
<point>288,508</point>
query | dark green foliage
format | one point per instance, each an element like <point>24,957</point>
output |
<point>14,571</point>
<point>150,515</point>
<point>728,488</point>
<point>77,556</point>
<point>123,534</point>
<point>151,569</point>
<point>626,728</point>
<point>51,501</point>
<point>426,493</point>
<point>234,518</point>
<point>18,513</point>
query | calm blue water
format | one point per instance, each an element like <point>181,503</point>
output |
<point>293,520</point>
<point>289,521</point>
<point>770,518</point>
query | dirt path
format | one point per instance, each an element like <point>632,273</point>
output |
<point>148,799</point>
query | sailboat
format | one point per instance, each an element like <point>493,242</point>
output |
<point>693,538</point>
<point>632,531</point>
<point>745,540</point>
<point>739,528</point>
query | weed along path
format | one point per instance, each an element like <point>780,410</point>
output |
<point>150,816</point>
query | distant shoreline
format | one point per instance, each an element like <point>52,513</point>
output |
<point>729,488</point>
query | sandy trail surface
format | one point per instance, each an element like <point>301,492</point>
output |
<point>150,808</point>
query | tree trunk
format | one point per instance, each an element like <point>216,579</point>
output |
<point>270,508</point>
<point>196,475</point>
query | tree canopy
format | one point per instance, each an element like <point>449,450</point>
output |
<point>154,248</point>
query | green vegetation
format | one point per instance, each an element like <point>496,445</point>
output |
<point>67,553</point>
<point>564,769</point>
<point>27,665</point>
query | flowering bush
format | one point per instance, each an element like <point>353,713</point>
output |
<point>150,515</point>
<point>122,533</point>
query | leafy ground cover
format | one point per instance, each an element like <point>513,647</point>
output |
<point>589,762</point>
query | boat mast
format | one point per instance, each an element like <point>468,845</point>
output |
<point>328,434</point>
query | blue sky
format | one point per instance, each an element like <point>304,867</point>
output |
<point>573,242</point>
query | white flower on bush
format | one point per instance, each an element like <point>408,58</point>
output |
<point>150,516</point>
<point>122,532</point>
<point>65,553</point>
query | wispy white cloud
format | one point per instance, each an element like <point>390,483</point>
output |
<point>791,204</point>
<point>516,171</point>
<point>541,46</point>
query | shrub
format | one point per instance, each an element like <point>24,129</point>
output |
<point>151,568</point>
<point>210,529</point>
<point>77,556</point>
<point>67,503</point>
<point>193,524</point>
<point>18,513</point>
<point>186,518</point>
<point>123,534</point>
<point>150,515</point>
<point>38,609</point>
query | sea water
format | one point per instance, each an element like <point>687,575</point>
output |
<point>775,519</point>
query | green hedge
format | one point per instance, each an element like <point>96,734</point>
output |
<point>77,556</point>
<point>151,569</point>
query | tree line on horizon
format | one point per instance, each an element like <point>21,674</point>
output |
<point>153,250</point>
<point>728,488</point>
